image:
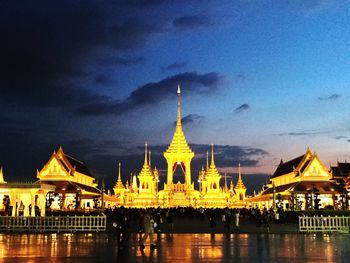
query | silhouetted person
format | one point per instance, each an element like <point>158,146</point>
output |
<point>170,221</point>
<point>21,209</point>
<point>30,209</point>
<point>148,224</point>
<point>236,219</point>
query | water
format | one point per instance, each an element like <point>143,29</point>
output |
<point>176,248</point>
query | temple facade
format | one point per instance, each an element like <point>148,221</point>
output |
<point>74,185</point>
<point>300,184</point>
<point>143,191</point>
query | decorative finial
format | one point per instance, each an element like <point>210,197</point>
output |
<point>178,122</point>
<point>119,172</point>
<point>212,155</point>
<point>146,161</point>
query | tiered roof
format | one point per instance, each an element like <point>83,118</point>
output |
<point>71,164</point>
<point>146,168</point>
<point>119,184</point>
<point>240,184</point>
<point>212,170</point>
<point>178,143</point>
<point>300,163</point>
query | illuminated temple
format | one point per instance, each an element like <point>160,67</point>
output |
<point>66,183</point>
<point>142,191</point>
<point>297,183</point>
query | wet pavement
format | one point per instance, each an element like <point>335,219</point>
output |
<point>253,247</point>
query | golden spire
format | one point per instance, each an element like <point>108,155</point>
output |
<point>207,161</point>
<point>145,162</point>
<point>119,183</point>
<point>146,169</point>
<point>212,155</point>
<point>240,184</point>
<point>119,173</point>
<point>179,144</point>
<point>212,170</point>
<point>178,122</point>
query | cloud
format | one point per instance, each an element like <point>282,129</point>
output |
<point>241,77</point>
<point>340,137</point>
<point>191,22</point>
<point>177,65</point>
<point>153,93</point>
<point>304,133</point>
<point>103,79</point>
<point>243,107</point>
<point>121,61</point>
<point>332,97</point>
<point>307,6</point>
<point>191,119</point>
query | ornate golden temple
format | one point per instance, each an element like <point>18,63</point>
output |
<point>142,191</point>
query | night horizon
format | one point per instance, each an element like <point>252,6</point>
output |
<point>261,81</point>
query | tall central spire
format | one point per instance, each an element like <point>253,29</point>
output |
<point>179,152</point>
<point>178,122</point>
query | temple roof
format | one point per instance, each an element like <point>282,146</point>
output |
<point>290,166</point>
<point>71,187</point>
<point>119,183</point>
<point>240,184</point>
<point>146,168</point>
<point>212,170</point>
<point>69,162</point>
<point>305,186</point>
<point>342,170</point>
<point>178,143</point>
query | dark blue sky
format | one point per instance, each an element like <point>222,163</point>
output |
<point>262,80</point>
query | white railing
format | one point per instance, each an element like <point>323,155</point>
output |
<point>54,223</point>
<point>324,224</point>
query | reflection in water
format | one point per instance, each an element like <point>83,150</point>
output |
<point>176,247</point>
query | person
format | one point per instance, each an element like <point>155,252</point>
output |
<point>122,226</point>
<point>227,216</point>
<point>21,209</point>
<point>148,227</point>
<point>266,219</point>
<point>212,220</point>
<point>169,220</point>
<point>30,209</point>
<point>236,219</point>
<point>37,210</point>
<point>159,221</point>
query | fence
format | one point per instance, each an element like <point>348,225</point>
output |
<point>324,224</point>
<point>91,223</point>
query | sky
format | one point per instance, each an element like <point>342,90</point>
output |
<point>261,80</point>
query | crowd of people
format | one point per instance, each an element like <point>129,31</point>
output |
<point>146,222</point>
